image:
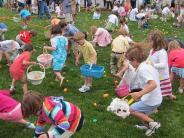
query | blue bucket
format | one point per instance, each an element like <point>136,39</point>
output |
<point>93,71</point>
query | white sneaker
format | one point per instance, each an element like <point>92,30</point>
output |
<point>84,89</point>
<point>152,127</point>
<point>180,90</point>
<point>30,126</point>
<point>141,127</point>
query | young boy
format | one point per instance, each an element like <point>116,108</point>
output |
<point>3,29</point>
<point>149,97</point>
<point>89,55</point>
<point>24,37</point>
<point>25,15</point>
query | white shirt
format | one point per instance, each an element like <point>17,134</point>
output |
<point>140,15</point>
<point>182,12</point>
<point>113,19</point>
<point>166,11</point>
<point>9,45</point>
<point>132,14</point>
<point>159,59</point>
<point>145,73</point>
<point>125,27</point>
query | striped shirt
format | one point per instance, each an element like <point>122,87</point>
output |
<point>55,111</point>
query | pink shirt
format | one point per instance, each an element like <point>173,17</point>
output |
<point>7,103</point>
<point>102,37</point>
<point>176,58</point>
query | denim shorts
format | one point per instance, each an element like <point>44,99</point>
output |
<point>141,107</point>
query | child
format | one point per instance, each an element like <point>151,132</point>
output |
<point>120,46</point>
<point>180,18</point>
<point>123,25</point>
<point>127,6</point>
<point>112,22</point>
<point>176,63</point>
<point>24,37</point>
<point>121,11</point>
<point>3,29</point>
<point>149,96</point>
<point>96,14</point>
<point>26,17</point>
<point>158,58</point>
<point>59,51</point>
<point>10,109</point>
<point>65,117</point>
<point>89,55</point>
<point>58,11</point>
<point>132,15</point>
<point>167,13</point>
<point>9,48</point>
<point>18,68</point>
<point>100,36</point>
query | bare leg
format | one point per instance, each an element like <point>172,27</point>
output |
<point>182,83</point>
<point>7,57</point>
<point>1,55</point>
<point>24,87</point>
<point>59,77</point>
<point>141,116</point>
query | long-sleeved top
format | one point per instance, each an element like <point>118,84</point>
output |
<point>56,111</point>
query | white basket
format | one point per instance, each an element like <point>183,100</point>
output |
<point>45,59</point>
<point>35,77</point>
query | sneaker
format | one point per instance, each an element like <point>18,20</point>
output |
<point>30,126</point>
<point>142,126</point>
<point>12,89</point>
<point>180,90</point>
<point>84,89</point>
<point>152,127</point>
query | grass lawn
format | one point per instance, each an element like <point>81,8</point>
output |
<point>98,122</point>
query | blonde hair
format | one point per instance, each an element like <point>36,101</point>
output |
<point>93,29</point>
<point>173,45</point>
<point>158,39</point>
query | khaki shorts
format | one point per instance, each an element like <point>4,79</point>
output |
<point>68,17</point>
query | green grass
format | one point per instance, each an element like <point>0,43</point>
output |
<point>107,125</point>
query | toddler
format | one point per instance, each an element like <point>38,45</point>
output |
<point>132,15</point>
<point>123,24</point>
<point>89,55</point>
<point>97,14</point>
<point>24,37</point>
<point>10,109</point>
<point>120,46</point>
<point>10,49</point>
<point>180,18</point>
<point>112,22</point>
<point>25,16</point>
<point>59,51</point>
<point>65,117</point>
<point>18,68</point>
<point>58,11</point>
<point>167,13</point>
<point>100,36</point>
<point>3,29</point>
<point>158,58</point>
<point>176,63</point>
<point>148,97</point>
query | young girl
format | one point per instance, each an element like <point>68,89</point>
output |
<point>167,13</point>
<point>64,117</point>
<point>89,55</point>
<point>176,63</point>
<point>158,58</point>
<point>18,68</point>
<point>10,109</point>
<point>9,48</point>
<point>59,51</point>
<point>100,36</point>
<point>96,14</point>
<point>180,18</point>
<point>123,24</point>
<point>149,96</point>
<point>112,22</point>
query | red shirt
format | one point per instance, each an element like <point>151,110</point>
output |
<point>25,36</point>
<point>176,58</point>
<point>17,69</point>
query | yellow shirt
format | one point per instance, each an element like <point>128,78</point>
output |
<point>120,44</point>
<point>88,52</point>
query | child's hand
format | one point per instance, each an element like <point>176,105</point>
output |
<point>76,62</point>
<point>118,75</point>
<point>136,95</point>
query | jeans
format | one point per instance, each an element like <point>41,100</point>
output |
<point>42,7</point>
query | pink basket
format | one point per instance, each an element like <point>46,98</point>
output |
<point>122,90</point>
<point>45,59</point>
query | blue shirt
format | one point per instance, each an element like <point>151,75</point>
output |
<point>71,30</point>
<point>3,26</point>
<point>24,13</point>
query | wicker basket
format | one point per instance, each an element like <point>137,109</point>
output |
<point>45,59</point>
<point>35,77</point>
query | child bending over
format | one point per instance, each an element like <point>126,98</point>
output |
<point>149,96</point>
<point>65,117</point>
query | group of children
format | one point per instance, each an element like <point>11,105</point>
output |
<point>150,77</point>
